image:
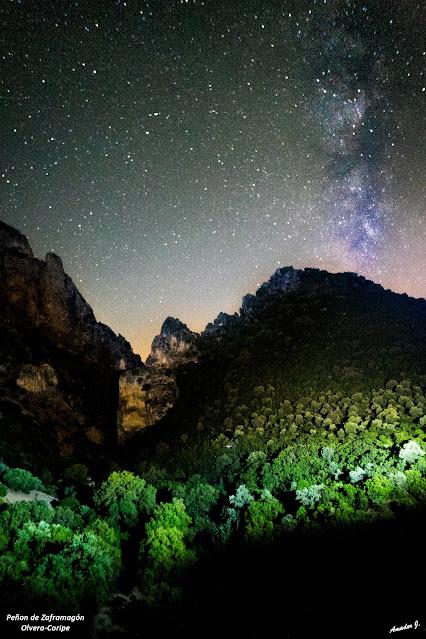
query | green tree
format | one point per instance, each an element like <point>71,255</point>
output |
<point>164,552</point>
<point>124,498</point>
<point>85,570</point>
<point>20,479</point>
<point>78,473</point>
<point>260,517</point>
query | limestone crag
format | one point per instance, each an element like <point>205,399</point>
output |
<point>146,396</point>
<point>43,295</point>
<point>59,366</point>
<point>175,346</point>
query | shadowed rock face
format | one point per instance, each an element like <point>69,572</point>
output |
<point>57,363</point>
<point>37,379</point>
<point>283,280</point>
<point>223,322</point>
<point>42,294</point>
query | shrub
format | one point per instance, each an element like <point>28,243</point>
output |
<point>20,479</point>
<point>310,496</point>
<point>77,473</point>
<point>124,497</point>
<point>411,451</point>
<point>260,517</point>
<point>356,475</point>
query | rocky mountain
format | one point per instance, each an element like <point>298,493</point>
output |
<point>174,346</point>
<point>301,327</point>
<point>70,375</point>
<point>146,394</point>
<point>283,280</point>
<point>59,366</point>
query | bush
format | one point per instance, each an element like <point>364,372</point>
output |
<point>411,451</point>
<point>20,479</point>
<point>124,497</point>
<point>260,517</point>
<point>77,473</point>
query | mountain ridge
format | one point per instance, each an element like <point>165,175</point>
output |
<point>59,365</point>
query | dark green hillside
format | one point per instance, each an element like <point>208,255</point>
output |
<point>334,333</point>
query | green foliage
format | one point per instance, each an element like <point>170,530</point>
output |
<point>20,479</point>
<point>199,498</point>
<point>3,467</point>
<point>164,551</point>
<point>124,498</point>
<point>318,460</point>
<point>86,568</point>
<point>261,516</point>
<point>411,451</point>
<point>310,496</point>
<point>241,498</point>
<point>16,515</point>
<point>78,473</point>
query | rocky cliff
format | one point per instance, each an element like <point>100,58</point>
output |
<point>146,394</point>
<point>58,365</point>
<point>174,346</point>
<point>145,397</point>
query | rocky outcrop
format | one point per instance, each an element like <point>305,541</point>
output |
<point>283,280</point>
<point>145,397</point>
<point>58,364</point>
<point>175,346</point>
<point>37,379</point>
<point>12,241</point>
<point>223,322</point>
<point>42,295</point>
<point>147,394</point>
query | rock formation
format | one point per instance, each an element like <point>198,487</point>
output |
<point>145,397</point>
<point>174,346</point>
<point>147,394</point>
<point>283,280</point>
<point>59,366</point>
<point>222,322</point>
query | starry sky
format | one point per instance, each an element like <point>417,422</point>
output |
<point>176,153</point>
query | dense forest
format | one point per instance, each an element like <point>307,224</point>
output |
<point>284,493</point>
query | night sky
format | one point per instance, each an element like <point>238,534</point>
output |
<point>174,154</point>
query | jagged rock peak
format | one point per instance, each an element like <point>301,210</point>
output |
<point>46,298</point>
<point>284,279</point>
<point>12,241</point>
<point>174,346</point>
<point>222,321</point>
<point>54,262</point>
<point>173,326</point>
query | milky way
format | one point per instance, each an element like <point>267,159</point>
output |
<point>356,117</point>
<point>176,153</point>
